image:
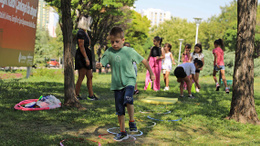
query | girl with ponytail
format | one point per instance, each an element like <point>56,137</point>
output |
<point>155,61</point>
<point>219,63</point>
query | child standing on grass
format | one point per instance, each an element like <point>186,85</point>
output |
<point>155,61</point>
<point>219,63</point>
<point>135,67</point>
<point>183,72</point>
<point>197,54</point>
<point>186,58</point>
<point>121,61</point>
<point>167,65</point>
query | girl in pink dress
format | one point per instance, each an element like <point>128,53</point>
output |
<point>155,61</point>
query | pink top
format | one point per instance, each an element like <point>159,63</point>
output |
<point>220,56</point>
<point>186,58</point>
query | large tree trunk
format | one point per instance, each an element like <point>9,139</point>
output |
<point>69,80</point>
<point>243,104</point>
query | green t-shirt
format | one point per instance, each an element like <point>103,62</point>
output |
<point>121,62</point>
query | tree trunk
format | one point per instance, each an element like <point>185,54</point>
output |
<point>69,80</point>
<point>243,104</point>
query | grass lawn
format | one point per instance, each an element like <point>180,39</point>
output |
<point>202,118</point>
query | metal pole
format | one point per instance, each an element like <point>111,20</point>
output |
<point>180,51</point>
<point>197,31</point>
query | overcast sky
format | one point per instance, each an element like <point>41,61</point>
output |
<point>185,8</point>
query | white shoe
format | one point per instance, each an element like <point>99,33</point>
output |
<point>197,89</point>
<point>166,88</point>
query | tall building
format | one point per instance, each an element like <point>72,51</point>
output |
<point>156,16</point>
<point>47,18</point>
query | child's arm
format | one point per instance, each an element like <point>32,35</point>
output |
<point>195,80</point>
<point>215,60</point>
<point>98,65</point>
<point>147,66</point>
<point>202,59</point>
<point>173,62</point>
<point>183,56</point>
<point>163,54</point>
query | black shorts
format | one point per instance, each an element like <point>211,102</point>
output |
<point>179,72</point>
<point>197,71</point>
<point>80,61</point>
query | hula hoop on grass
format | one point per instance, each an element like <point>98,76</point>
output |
<point>163,120</point>
<point>20,107</point>
<point>108,130</point>
<point>100,136</point>
<point>146,112</point>
<point>81,139</point>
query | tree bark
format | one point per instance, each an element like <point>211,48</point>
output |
<point>243,104</point>
<point>69,80</point>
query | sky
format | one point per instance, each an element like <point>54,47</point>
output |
<point>185,8</point>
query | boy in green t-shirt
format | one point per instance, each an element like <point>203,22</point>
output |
<point>123,78</point>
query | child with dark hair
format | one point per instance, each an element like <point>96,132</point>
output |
<point>182,73</point>
<point>121,60</point>
<point>186,58</point>
<point>167,65</point>
<point>155,61</point>
<point>186,54</point>
<point>219,63</point>
<point>197,54</point>
<point>135,67</point>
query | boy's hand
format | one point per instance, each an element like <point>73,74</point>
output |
<point>152,77</point>
<point>98,65</point>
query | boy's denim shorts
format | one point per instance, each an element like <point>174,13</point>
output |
<point>221,67</point>
<point>123,97</point>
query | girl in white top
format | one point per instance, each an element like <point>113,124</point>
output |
<point>167,64</point>
<point>197,54</point>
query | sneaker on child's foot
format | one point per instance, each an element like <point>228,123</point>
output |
<point>92,97</point>
<point>181,96</point>
<point>166,89</point>
<point>217,87</point>
<point>121,136</point>
<point>191,96</point>
<point>197,89</point>
<point>132,127</point>
<point>227,90</point>
<point>79,98</point>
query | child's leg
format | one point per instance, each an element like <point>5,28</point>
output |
<point>130,110</point>
<point>167,78</point>
<point>157,72</point>
<point>223,77</point>
<point>188,82</point>
<point>136,86</point>
<point>164,78</point>
<point>121,121</point>
<point>214,75</point>
<point>181,88</point>
<point>120,108</point>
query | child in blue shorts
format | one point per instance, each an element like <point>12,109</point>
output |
<point>121,60</point>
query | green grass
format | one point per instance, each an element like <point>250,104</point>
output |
<point>202,118</point>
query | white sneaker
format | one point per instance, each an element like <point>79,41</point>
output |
<point>166,88</point>
<point>197,89</point>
